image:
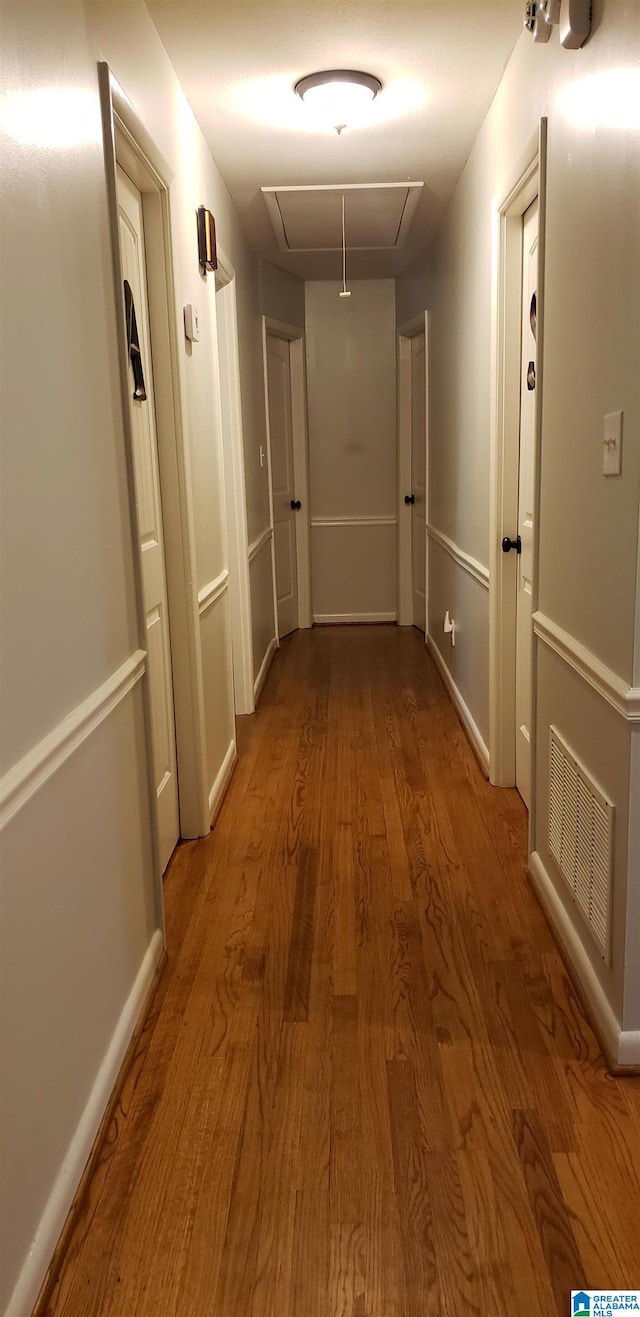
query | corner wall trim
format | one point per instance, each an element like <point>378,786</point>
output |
<point>625,699</point>
<point>463,559</point>
<point>53,1218</point>
<point>264,668</point>
<point>623,1049</point>
<point>39,764</point>
<point>343,619</point>
<point>466,718</point>
<point>212,591</point>
<point>223,778</point>
<point>259,543</point>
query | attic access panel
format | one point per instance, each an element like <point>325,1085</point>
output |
<point>377,215</point>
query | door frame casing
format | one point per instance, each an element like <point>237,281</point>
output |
<point>404,335</point>
<point>234,486</point>
<point>295,337</point>
<point>525,182</point>
<point>128,143</point>
<point>150,543</point>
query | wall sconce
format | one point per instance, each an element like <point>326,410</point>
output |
<point>206,240</point>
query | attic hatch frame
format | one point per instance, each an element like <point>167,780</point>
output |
<point>270,194</point>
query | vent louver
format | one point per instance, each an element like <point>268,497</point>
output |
<point>581,838</point>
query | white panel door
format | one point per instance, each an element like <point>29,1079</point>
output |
<point>528,364</point>
<point>282,482</point>
<point>418,476</point>
<point>147,487</point>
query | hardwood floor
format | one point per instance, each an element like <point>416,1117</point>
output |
<point>366,1087</point>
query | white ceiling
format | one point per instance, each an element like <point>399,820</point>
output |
<point>439,61</point>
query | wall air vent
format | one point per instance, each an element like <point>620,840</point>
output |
<point>581,839</point>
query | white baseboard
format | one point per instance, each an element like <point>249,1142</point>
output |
<point>629,1047</point>
<point>264,669</point>
<point>473,732</point>
<point>340,619</point>
<point>219,788</point>
<point>623,1048</point>
<point>55,1213</point>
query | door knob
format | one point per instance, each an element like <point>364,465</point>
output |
<point>409,498</point>
<point>295,505</point>
<point>508,544</point>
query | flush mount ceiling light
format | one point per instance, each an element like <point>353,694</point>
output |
<point>338,96</point>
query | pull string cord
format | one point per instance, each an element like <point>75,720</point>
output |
<point>344,251</point>
<point>345,292</point>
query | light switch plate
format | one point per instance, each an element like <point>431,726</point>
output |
<point>612,445</point>
<point>192,324</point>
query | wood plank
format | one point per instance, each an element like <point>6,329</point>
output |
<point>311,1263</point>
<point>457,1269</point>
<point>497,1291</point>
<point>552,1220</point>
<point>346,1281</point>
<point>344,934</point>
<point>422,1283</point>
<point>346,1147</point>
<point>296,992</point>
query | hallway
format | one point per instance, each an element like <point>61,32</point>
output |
<point>365,1085</point>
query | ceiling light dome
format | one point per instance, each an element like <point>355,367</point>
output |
<point>338,96</point>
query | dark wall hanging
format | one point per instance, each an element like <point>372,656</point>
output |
<point>206,240</point>
<point>133,344</point>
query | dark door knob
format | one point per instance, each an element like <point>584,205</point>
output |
<point>508,544</point>
<point>409,498</point>
<point>295,504</point>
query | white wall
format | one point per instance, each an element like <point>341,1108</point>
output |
<point>465,597</point>
<point>589,525</point>
<point>350,345</point>
<point>281,295</point>
<point>262,605</point>
<point>80,916</point>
